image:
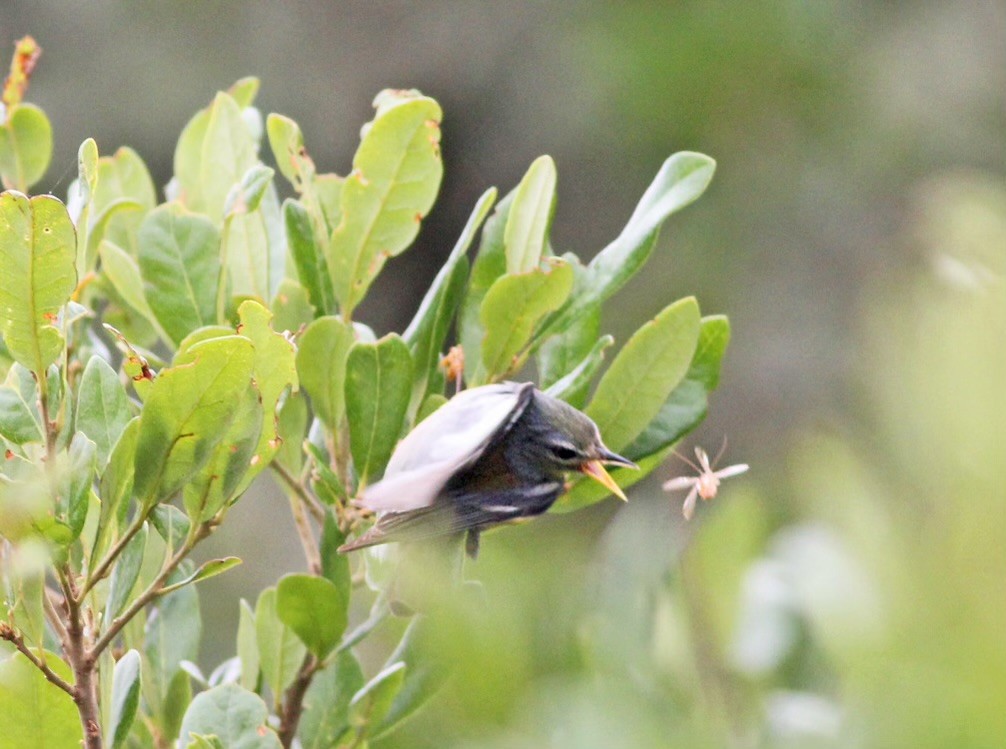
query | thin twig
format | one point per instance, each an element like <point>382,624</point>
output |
<point>312,503</point>
<point>53,617</point>
<point>311,553</point>
<point>95,575</point>
<point>14,637</point>
<point>152,591</point>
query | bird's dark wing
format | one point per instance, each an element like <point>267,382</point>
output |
<point>459,513</point>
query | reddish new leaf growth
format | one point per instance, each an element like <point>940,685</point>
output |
<point>26,54</point>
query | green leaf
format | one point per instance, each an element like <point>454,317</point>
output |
<point>180,267</point>
<point>125,697</point>
<point>200,741</point>
<point>327,190</point>
<point>37,253</point>
<point>280,651</point>
<point>247,647</point>
<point>102,407</point>
<point>428,329</point>
<point>186,414</point>
<point>219,481</point>
<point>371,704</point>
<point>172,708</point>
<point>714,337</point>
<point>19,422</point>
<point>125,211</point>
<point>511,309</point>
<point>244,90</point>
<point>171,525</point>
<point>561,353</point>
<point>315,609</point>
<point>204,571</point>
<point>123,195</point>
<point>75,488</point>
<point>247,194</point>
<point>425,675</point>
<point>123,272</point>
<point>275,370</point>
<point>125,573</point>
<point>116,488</point>
<point>395,178</point>
<point>326,712</point>
<point>378,388</point>
<point>334,566</point>
<point>312,267</point>
<point>25,146</point>
<point>28,588</point>
<point>254,248</point>
<point>172,635</point>
<point>327,485</point>
<point>686,406</point>
<point>644,373</point>
<point>292,428</point>
<point>489,265</point>
<point>237,717</point>
<point>287,143</point>
<point>321,366</point>
<point>206,333</point>
<point>530,215</point>
<point>81,194</point>
<point>292,307</point>
<point>228,152</point>
<point>429,405</point>
<point>680,181</point>
<point>33,712</point>
<point>574,386</point>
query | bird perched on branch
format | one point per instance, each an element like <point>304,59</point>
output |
<point>491,455</point>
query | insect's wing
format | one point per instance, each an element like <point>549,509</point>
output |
<point>679,483</point>
<point>725,473</point>
<point>451,438</point>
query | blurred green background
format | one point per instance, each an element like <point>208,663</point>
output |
<point>850,590</point>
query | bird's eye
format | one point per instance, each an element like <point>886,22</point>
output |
<point>563,452</point>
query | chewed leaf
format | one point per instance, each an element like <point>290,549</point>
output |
<point>37,252</point>
<point>395,178</point>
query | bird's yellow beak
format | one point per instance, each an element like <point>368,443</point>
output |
<point>595,469</point>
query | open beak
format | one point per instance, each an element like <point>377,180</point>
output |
<point>595,469</point>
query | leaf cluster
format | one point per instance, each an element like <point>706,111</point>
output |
<point>158,356</point>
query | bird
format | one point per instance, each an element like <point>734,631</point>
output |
<point>491,455</point>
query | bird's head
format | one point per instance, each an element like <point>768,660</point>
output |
<point>565,439</point>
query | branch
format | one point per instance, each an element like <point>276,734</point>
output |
<point>153,590</point>
<point>7,632</point>
<point>312,503</point>
<point>294,700</point>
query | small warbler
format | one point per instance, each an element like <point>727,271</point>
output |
<point>491,455</point>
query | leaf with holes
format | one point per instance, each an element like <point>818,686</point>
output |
<point>37,253</point>
<point>186,414</point>
<point>395,178</point>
